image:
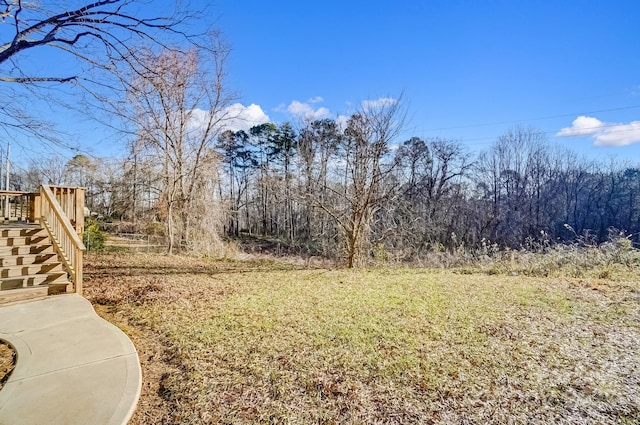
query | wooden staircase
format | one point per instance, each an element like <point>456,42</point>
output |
<point>36,258</point>
<point>29,266</point>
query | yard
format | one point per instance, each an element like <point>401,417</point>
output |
<point>268,341</point>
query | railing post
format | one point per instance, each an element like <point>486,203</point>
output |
<point>79,224</point>
<point>78,267</point>
<point>79,213</point>
<point>34,214</point>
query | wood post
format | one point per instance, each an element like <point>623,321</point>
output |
<point>33,216</point>
<point>79,213</point>
<point>78,267</point>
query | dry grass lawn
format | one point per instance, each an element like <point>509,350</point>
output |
<point>234,342</point>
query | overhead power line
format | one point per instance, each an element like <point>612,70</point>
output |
<point>492,138</point>
<point>533,119</point>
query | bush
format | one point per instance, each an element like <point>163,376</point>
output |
<point>94,238</point>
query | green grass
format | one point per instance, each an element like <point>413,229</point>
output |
<point>270,342</point>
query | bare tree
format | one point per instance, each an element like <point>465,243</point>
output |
<point>430,173</point>
<point>317,146</point>
<point>92,41</point>
<point>513,173</point>
<point>180,106</point>
<point>364,166</point>
<point>51,171</point>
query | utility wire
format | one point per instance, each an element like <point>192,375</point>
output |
<point>533,119</point>
<point>556,132</point>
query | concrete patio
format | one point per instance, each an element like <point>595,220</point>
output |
<point>72,366</point>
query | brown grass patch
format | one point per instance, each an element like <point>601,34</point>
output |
<point>271,342</point>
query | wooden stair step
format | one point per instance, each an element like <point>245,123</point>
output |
<point>59,287</point>
<point>23,294</point>
<point>14,232</point>
<point>15,282</point>
<point>26,249</point>
<point>30,269</point>
<point>23,240</point>
<point>28,259</point>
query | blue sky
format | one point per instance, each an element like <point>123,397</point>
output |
<point>466,70</point>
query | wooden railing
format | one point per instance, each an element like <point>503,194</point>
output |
<point>61,211</point>
<point>16,206</point>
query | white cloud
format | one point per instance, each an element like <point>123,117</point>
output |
<point>242,117</point>
<point>235,117</point>
<point>310,111</point>
<point>394,147</point>
<point>378,103</point>
<point>581,126</point>
<point>603,134</point>
<point>342,121</point>
<point>619,135</point>
<point>307,112</point>
<point>198,121</point>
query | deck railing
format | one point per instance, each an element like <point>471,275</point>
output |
<point>15,205</point>
<point>60,210</point>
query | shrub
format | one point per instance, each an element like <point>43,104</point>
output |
<point>94,238</point>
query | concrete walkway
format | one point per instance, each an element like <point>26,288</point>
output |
<point>73,367</point>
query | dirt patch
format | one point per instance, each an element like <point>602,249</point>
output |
<point>7,361</point>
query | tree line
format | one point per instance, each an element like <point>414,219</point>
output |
<point>352,190</point>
